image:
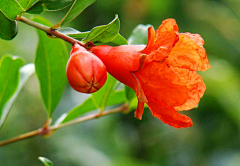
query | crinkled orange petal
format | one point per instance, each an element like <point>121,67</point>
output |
<point>151,39</point>
<point>195,37</point>
<point>169,115</point>
<point>139,110</point>
<point>156,80</point>
<point>195,86</point>
<point>189,53</point>
<point>166,38</point>
<point>159,55</point>
<point>166,35</point>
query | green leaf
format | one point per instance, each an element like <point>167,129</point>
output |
<point>45,161</point>
<point>8,28</point>
<point>119,40</point>
<point>104,33</point>
<point>77,7</point>
<point>102,96</point>
<point>57,4</point>
<point>25,72</point>
<point>98,99</point>
<point>117,97</point>
<point>50,65</point>
<point>130,94</point>
<point>26,3</point>
<point>9,79</point>
<point>37,8</point>
<point>106,96</point>
<point>139,35</point>
<point>10,8</point>
<point>87,106</point>
<point>51,5</point>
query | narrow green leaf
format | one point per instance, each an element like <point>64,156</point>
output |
<point>36,8</point>
<point>104,33</point>
<point>106,96</point>
<point>119,40</point>
<point>102,96</point>
<point>139,35</point>
<point>130,94</point>
<point>25,72</point>
<point>50,65</point>
<point>8,28</point>
<point>10,8</point>
<point>26,3</point>
<point>77,7</point>
<point>98,99</point>
<point>57,4</point>
<point>117,97</point>
<point>51,5</point>
<point>87,106</point>
<point>9,79</point>
<point>45,161</point>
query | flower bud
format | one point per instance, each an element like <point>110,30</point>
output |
<point>86,73</point>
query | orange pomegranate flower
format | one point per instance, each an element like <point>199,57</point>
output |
<point>163,73</point>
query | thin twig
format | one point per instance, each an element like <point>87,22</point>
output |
<point>122,108</point>
<point>49,30</point>
<point>48,130</point>
<point>21,137</point>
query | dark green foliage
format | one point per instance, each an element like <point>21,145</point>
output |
<point>104,33</point>
<point>50,63</point>
<point>8,28</point>
<point>10,8</point>
<point>9,79</point>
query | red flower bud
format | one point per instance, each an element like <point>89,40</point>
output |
<point>85,72</point>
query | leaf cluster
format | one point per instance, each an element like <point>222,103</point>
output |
<point>52,56</point>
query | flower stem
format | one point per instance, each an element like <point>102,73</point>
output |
<point>50,129</point>
<point>49,30</point>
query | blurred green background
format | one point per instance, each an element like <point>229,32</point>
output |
<point>119,140</point>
